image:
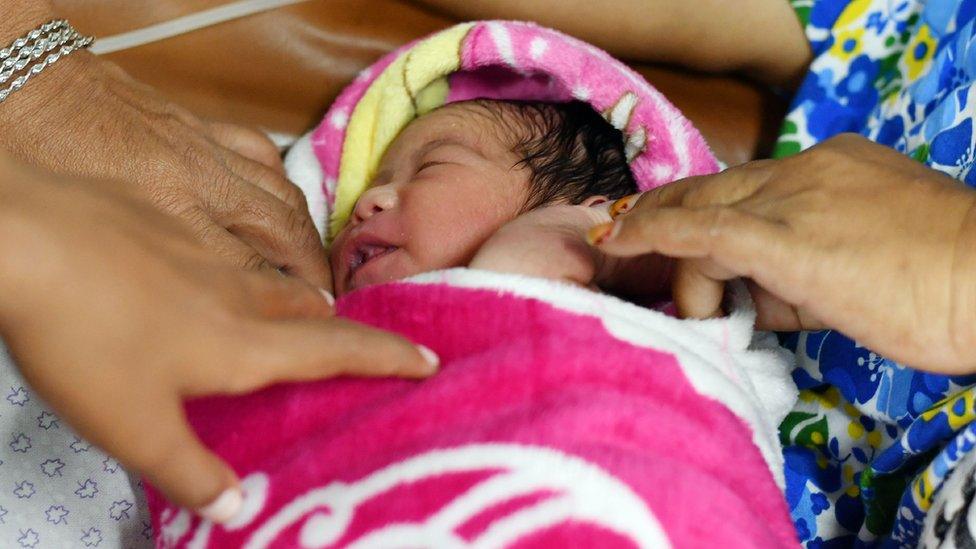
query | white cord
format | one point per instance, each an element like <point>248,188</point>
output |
<point>281,139</point>
<point>185,24</point>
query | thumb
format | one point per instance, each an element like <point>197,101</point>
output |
<point>185,471</point>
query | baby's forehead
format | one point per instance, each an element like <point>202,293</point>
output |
<point>468,115</point>
<point>483,125</point>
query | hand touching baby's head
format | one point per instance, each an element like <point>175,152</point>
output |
<point>457,174</point>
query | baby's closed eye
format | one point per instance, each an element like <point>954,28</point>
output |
<point>430,164</point>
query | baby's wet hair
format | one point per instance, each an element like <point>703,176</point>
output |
<point>571,152</point>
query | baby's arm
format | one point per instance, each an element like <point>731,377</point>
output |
<point>762,38</point>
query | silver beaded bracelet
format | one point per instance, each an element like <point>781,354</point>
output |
<point>35,51</point>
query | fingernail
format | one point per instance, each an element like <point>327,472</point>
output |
<point>222,509</point>
<point>430,356</point>
<point>602,233</point>
<point>623,205</point>
<point>328,297</point>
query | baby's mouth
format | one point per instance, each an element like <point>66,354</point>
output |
<point>364,253</point>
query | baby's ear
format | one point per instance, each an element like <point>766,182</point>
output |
<point>594,200</point>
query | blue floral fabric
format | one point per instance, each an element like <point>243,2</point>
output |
<point>871,440</point>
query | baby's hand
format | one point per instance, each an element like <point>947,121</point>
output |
<point>549,242</point>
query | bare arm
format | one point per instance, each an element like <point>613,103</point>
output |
<point>85,117</point>
<point>761,38</point>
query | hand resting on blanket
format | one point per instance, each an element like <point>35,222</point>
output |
<point>114,313</point>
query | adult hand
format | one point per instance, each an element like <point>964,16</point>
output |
<point>115,313</point>
<point>848,234</point>
<point>86,117</point>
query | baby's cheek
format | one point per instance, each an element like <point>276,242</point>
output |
<point>451,238</point>
<point>451,215</point>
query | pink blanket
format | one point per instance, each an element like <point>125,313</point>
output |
<point>561,417</point>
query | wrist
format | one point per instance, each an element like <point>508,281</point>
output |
<point>25,117</point>
<point>55,55</point>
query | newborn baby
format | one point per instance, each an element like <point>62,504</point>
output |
<point>559,416</point>
<point>456,175</point>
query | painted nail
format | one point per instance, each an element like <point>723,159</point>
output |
<point>328,297</point>
<point>602,233</point>
<point>623,205</point>
<point>430,356</point>
<point>222,509</point>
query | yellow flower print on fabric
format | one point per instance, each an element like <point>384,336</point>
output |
<point>848,44</point>
<point>874,439</point>
<point>919,52</point>
<point>921,488</point>
<point>853,13</point>
<point>817,438</point>
<point>849,31</point>
<point>958,409</point>
<point>828,399</point>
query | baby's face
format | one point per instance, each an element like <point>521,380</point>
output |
<point>445,185</point>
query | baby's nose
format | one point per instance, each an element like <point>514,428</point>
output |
<point>373,201</point>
